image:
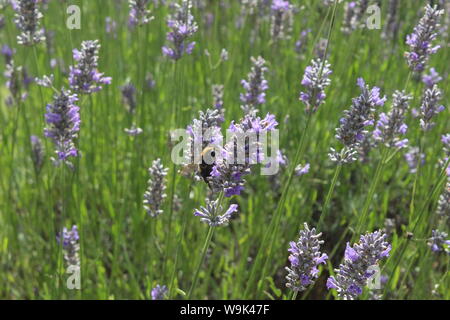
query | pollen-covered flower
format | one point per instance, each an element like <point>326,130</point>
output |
<point>63,125</point>
<point>439,242</point>
<point>391,126</point>
<point>159,292</point>
<point>27,21</point>
<point>420,42</point>
<point>430,107</point>
<point>84,77</point>
<point>182,26</point>
<point>305,258</point>
<point>359,265</point>
<point>315,80</point>
<point>69,241</point>
<point>353,125</point>
<point>155,194</point>
<point>213,214</point>
<point>255,87</point>
<point>139,14</point>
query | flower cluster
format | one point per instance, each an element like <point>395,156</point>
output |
<point>391,125</point>
<point>27,21</point>
<point>217,93</point>
<point>282,19</point>
<point>305,257</point>
<point>236,158</point>
<point>255,87</point>
<point>430,107</point>
<point>63,120</point>
<point>212,213</point>
<point>438,242</point>
<point>84,76</point>
<point>420,41</point>
<point>413,157</point>
<point>155,193</point>
<point>315,79</point>
<point>431,79</point>
<point>69,241</point>
<point>353,15</point>
<point>182,26</point>
<point>352,130</point>
<point>139,14</point>
<point>159,292</point>
<point>359,261</point>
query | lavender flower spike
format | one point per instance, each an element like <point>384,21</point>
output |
<point>353,273</point>
<point>432,78</point>
<point>27,21</point>
<point>159,292</point>
<point>315,79</point>
<point>305,257</point>
<point>420,41</point>
<point>38,153</point>
<point>391,125</point>
<point>63,125</point>
<point>438,242</point>
<point>139,14</point>
<point>84,76</point>
<point>255,87</point>
<point>211,214</point>
<point>352,130</point>
<point>182,27</point>
<point>430,107</point>
<point>155,195</point>
<point>443,209</point>
<point>282,19</point>
<point>70,246</point>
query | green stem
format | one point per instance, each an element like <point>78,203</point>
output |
<point>326,206</point>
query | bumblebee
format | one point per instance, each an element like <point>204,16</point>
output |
<point>203,169</point>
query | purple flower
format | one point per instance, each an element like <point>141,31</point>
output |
<point>353,125</point>
<point>390,126</point>
<point>84,76</point>
<point>139,14</point>
<point>255,87</point>
<point>159,292</point>
<point>413,157</point>
<point>301,170</point>
<point>282,19</point>
<point>217,93</point>
<point>438,242</point>
<point>213,213</point>
<point>315,80</point>
<point>443,208</point>
<point>305,258</point>
<point>430,107</point>
<point>155,193</point>
<point>420,41</point>
<point>133,131</point>
<point>353,273</point>
<point>63,125</point>
<point>70,245</point>
<point>431,79</point>
<point>182,26</point>
<point>27,21</point>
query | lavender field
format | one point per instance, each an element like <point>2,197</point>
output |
<point>225,149</point>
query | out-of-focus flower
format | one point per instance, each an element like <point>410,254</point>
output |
<point>301,170</point>
<point>159,292</point>
<point>439,242</point>
<point>128,91</point>
<point>133,131</point>
<point>182,26</point>
<point>282,19</point>
<point>413,157</point>
<point>431,79</point>
<point>155,194</point>
<point>37,153</point>
<point>139,14</point>
<point>420,42</point>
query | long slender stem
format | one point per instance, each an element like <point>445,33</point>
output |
<point>326,205</point>
<point>202,259</point>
